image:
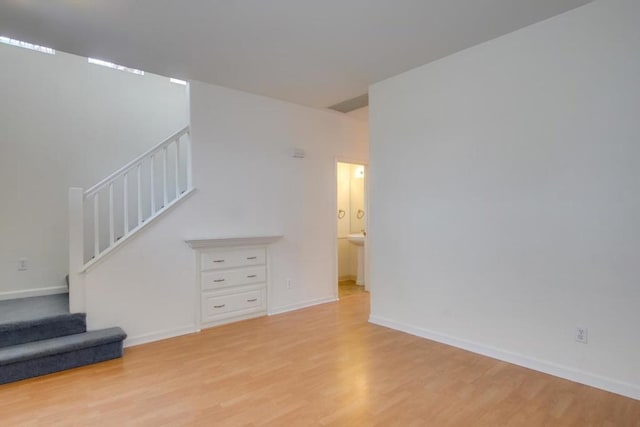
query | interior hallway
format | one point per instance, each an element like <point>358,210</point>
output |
<point>324,365</point>
<point>348,287</point>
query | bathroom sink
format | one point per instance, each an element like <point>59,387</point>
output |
<point>356,238</point>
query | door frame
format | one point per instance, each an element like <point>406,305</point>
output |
<point>355,161</point>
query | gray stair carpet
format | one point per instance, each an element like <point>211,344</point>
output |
<point>25,331</point>
<point>33,308</point>
<point>42,357</point>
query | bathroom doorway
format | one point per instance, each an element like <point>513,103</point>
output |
<point>351,228</point>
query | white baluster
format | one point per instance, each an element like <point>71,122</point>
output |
<point>189,178</point>
<point>96,226</point>
<point>165,196</point>
<point>177,167</point>
<point>152,184</point>
<point>93,192</point>
<point>139,175</point>
<point>111,223</point>
<point>125,203</point>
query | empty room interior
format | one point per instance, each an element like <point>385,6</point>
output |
<point>331,213</point>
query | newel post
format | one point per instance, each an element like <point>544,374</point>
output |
<point>76,250</point>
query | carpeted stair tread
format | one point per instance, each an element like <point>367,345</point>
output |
<point>25,331</point>
<point>63,344</point>
<point>43,357</point>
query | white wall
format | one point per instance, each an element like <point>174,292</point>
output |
<point>516,167</point>
<point>247,184</point>
<point>64,122</point>
<point>360,114</point>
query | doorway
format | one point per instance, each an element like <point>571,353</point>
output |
<point>351,228</point>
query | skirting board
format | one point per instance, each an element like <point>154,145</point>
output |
<point>39,292</point>
<point>160,335</point>
<point>298,306</point>
<point>608,384</point>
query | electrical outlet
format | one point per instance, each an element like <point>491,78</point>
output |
<point>288,284</point>
<point>22,264</point>
<point>581,334</point>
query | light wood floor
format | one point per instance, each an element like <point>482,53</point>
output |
<point>348,287</point>
<point>320,366</point>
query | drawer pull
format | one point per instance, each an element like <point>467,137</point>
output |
<point>252,300</point>
<point>218,260</point>
<point>251,276</point>
<point>218,280</point>
<point>218,306</point>
<point>252,257</point>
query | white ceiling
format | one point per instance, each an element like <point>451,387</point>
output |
<point>312,52</point>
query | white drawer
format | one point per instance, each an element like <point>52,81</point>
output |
<point>248,300</point>
<point>233,258</point>
<point>220,305</point>
<point>242,276</point>
<point>212,306</point>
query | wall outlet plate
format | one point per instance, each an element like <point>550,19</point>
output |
<point>22,264</point>
<point>582,334</point>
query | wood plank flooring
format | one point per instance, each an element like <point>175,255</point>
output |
<point>348,287</point>
<point>322,366</point>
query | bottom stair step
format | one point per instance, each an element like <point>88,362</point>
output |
<point>56,354</point>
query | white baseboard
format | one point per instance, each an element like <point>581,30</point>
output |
<point>568,373</point>
<point>298,306</point>
<point>160,335</point>
<point>39,292</point>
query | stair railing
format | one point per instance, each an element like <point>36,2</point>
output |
<point>104,216</point>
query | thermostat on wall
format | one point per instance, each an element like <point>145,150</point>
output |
<point>297,153</point>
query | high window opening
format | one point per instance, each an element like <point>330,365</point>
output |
<point>26,45</point>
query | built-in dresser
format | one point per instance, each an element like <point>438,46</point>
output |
<point>232,275</point>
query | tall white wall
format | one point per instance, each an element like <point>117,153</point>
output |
<point>505,197</point>
<point>360,114</point>
<point>248,184</point>
<point>64,122</point>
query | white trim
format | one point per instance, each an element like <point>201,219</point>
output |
<point>301,305</point>
<point>38,292</point>
<point>224,242</point>
<point>353,161</point>
<point>566,372</point>
<point>156,148</point>
<point>160,335</point>
<point>234,319</point>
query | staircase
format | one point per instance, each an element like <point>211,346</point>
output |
<point>101,219</point>
<point>30,348</point>
<point>105,216</point>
